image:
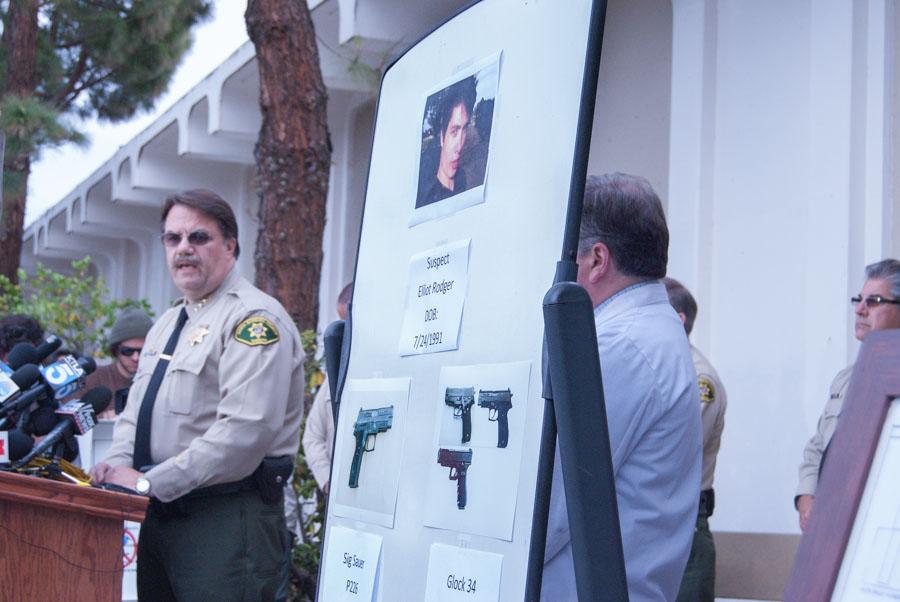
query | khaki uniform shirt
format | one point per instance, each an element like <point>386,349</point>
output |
<point>318,436</point>
<point>713,401</point>
<point>223,404</point>
<point>815,447</point>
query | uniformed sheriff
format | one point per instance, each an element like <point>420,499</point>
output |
<point>876,307</point>
<point>699,581</point>
<point>212,422</point>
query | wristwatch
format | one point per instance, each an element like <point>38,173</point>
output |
<point>142,486</point>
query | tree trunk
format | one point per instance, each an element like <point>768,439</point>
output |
<point>20,44</point>
<point>293,156</point>
<point>13,221</point>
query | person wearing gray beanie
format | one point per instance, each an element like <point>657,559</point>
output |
<point>132,323</point>
<point>125,340</point>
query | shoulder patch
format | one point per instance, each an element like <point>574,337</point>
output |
<point>707,389</point>
<point>256,331</point>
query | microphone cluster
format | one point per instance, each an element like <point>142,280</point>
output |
<point>30,407</point>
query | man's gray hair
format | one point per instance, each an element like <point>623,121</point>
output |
<point>888,270</point>
<point>624,213</point>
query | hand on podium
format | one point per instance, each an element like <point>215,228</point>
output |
<point>124,476</point>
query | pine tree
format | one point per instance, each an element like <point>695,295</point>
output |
<point>293,156</point>
<point>61,58</point>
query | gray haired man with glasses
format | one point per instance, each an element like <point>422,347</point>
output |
<point>877,307</point>
<point>212,423</point>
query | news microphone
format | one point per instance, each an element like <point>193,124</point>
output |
<point>66,375</point>
<point>44,418</point>
<point>24,353</point>
<point>87,364</point>
<point>23,378</point>
<point>60,379</point>
<point>70,449</point>
<point>42,421</point>
<point>21,354</point>
<point>98,398</point>
<point>78,417</point>
<point>8,387</point>
<point>26,376</point>
<point>13,382</point>
<point>50,344</point>
<point>14,445</point>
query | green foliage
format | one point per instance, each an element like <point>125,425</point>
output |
<point>73,307</point>
<point>360,66</point>
<point>312,367</point>
<point>306,549</point>
<point>368,74</point>
<point>108,58</point>
<point>113,57</point>
<point>30,126</point>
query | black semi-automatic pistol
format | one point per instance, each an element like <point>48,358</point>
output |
<point>498,404</point>
<point>461,399</point>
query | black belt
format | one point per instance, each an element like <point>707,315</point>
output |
<point>182,506</point>
<point>707,502</point>
<point>244,484</point>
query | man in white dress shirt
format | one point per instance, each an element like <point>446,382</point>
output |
<point>650,388</point>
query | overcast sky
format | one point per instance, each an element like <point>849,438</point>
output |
<point>60,170</point>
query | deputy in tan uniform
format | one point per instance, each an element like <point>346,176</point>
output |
<point>877,307</point>
<point>318,434</point>
<point>212,421</point>
<point>699,582</point>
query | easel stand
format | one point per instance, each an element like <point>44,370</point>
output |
<point>575,415</point>
<point>575,409</point>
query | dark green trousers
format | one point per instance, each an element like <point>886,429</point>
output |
<point>699,581</point>
<point>225,548</point>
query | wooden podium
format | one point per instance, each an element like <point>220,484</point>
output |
<point>60,541</point>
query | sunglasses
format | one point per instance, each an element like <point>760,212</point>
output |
<point>872,301</point>
<point>197,238</point>
<point>129,351</point>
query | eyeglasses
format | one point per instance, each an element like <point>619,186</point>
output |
<point>129,351</point>
<point>197,238</point>
<point>872,301</point>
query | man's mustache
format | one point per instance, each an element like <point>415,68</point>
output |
<point>186,260</point>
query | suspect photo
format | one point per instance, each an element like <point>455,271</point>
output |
<point>456,135</point>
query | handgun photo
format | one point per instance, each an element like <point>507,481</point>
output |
<point>458,462</point>
<point>461,399</point>
<point>368,424</point>
<point>498,404</point>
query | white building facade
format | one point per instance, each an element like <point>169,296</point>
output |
<point>767,127</point>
